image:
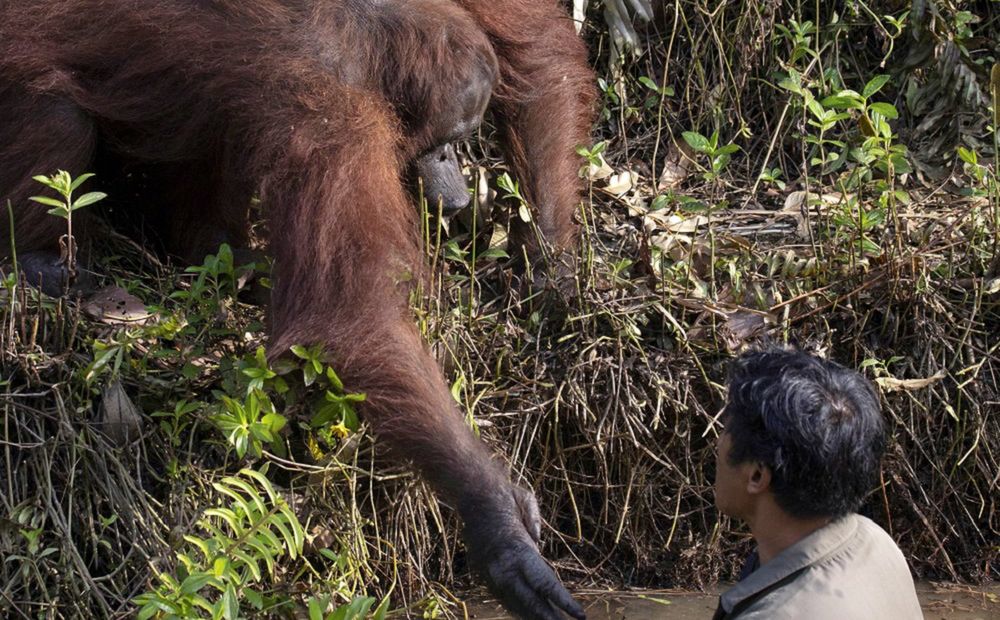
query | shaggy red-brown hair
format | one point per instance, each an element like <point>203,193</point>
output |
<point>317,108</point>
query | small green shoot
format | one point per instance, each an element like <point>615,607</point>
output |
<point>64,184</point>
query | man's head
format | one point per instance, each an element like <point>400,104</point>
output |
<point>806,430</point>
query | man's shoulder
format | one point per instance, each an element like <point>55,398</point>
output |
<point>871,551</point>
<point>851,547</point>
<point>864,575</point>
<point>873,534</point>
<point>820,600</point>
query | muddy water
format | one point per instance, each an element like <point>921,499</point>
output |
<point>939,602</point>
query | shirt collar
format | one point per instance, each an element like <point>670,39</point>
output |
<point>810,550</point>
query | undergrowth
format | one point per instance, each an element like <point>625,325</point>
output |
<point>819,174</point>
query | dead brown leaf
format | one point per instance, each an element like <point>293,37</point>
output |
<point>619,184</point>
<point>118,417</point>
<point>676,167</point>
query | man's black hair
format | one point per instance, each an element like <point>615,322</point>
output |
<point>815,424</point>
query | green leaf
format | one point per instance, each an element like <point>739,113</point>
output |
<point>88,199</point>
<point>494,253</point>
<point>382,610</point>
<point>874,85</point>
<point>885,109</point>
<point>231,604</point>
<point>254,598</point>
<point>351,419</point>
<point>648,83</point>
<point>220,566</point>
<point>842,102</point>
<point>46,181</point>
<point>261,478</point>
<point>900,164</point>
<point>968,156</point>
<point>49,202</point>
<point>359,607</point>
<point>334,380</point>
<point>274,421</point>
<point>288,536</point>
<point>154,606</point>
<point>241,501</point>
<point>790,86</point>
<point>816,108</point>
<point>249,562</point>
<point>194,583</point>
<point>147,611</point>
<point>80,180</point>
<point>316,608</point>
<point>696,141</point>
<point>241,443</point>
<point>308,375</point>
<point>201,544</point>
<point>226,515</point>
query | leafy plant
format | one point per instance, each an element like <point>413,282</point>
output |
<point>856,222</point>
<point>800,36</point>
<point>250,419</point>
<point>877,160</point>
<point>593,154</point>
<point>249,423</point>
<point>174,423</point>
<point>357,609</point>
<point>773,176</point>
<point>657,93</point>
<point>223,567</point>
<point>261,377</point>
<point>215,279</point>
<point>112,354</point>
<point>513,191</point>
<point>873,122</point>
<point>64,184</point>
<point>718,156</point>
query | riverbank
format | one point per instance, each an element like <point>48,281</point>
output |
<point>940,601</point>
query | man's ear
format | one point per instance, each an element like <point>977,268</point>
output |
<point>759,479</point>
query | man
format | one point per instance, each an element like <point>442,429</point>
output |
<point>801,448</point>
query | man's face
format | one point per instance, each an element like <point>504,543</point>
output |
<point>731,495</point>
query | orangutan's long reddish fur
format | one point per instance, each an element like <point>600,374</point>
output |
<point>235,93</point>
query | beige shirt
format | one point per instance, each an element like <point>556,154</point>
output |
<point>849,569</point>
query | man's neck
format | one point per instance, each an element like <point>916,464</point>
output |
<point>775,530</point>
